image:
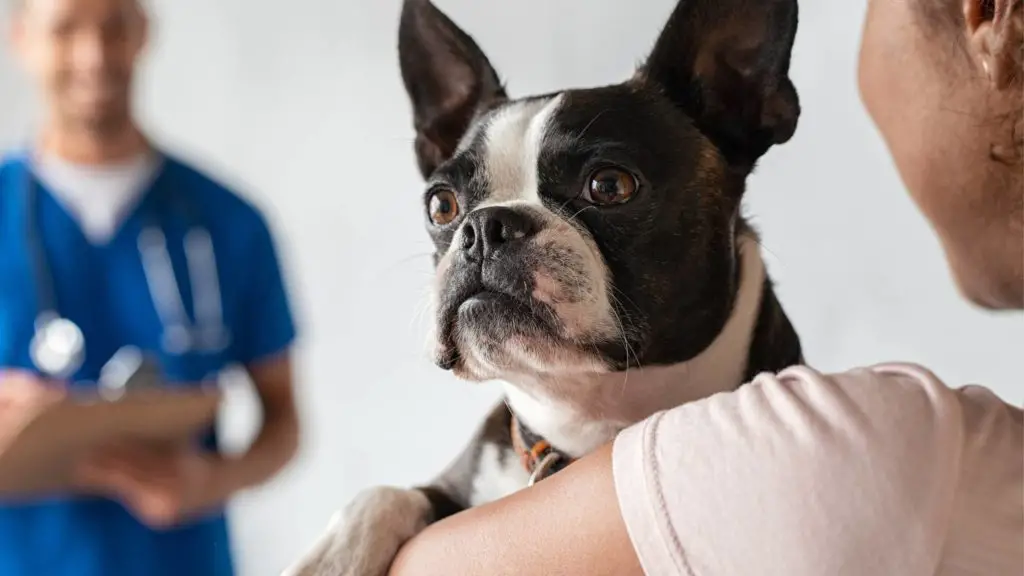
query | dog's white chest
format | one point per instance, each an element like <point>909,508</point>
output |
<point>499,473</point>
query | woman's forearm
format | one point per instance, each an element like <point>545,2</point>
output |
<point>568,524</point>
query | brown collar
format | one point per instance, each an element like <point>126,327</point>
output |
<point>539,458</point>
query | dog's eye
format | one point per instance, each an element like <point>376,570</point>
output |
<point>443,207</point>
<point>610,186</point>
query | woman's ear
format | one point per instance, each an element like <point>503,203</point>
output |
<point>996,32</point>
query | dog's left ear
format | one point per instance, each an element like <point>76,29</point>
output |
<point>447,77</point>
<point>726,64</point>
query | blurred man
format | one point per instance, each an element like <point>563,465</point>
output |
<point>108,242</point>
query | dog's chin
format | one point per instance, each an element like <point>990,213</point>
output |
<point>492,335</point>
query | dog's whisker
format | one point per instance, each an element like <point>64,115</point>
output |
<point>581,211</point>
<point>625,342</point>
<point>760,243</point>
<point>619,291</point>
<point>402,262</point>
<point>428,341</point>
<point>420,315</point>
<point>618,317</point>
<point>583,132</point>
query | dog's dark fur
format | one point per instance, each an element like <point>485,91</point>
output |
<point>586,308</point>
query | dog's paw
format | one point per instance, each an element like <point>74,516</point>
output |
<point>364,538</point>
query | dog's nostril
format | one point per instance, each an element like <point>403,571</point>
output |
<point>505,225</point>
<point>468,237</point>
<point>495,231</point>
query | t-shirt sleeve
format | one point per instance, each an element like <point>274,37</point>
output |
<point>797,473</point>
<point>266,326</point>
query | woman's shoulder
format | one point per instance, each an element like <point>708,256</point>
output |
<point>844,464</point>
<point>903,417</point>
<point>900,395</point>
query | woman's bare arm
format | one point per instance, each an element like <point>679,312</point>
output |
<point>569,523</point>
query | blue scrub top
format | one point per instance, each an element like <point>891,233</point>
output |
<point>103,289</point>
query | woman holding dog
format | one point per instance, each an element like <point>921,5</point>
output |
<point>875,471</point>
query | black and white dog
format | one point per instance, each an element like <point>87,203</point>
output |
<point>590,249</point>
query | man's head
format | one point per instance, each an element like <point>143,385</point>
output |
<point>82,54</point>
<point>943,80</point>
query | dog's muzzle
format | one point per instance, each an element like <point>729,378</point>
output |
<point>487,279</point>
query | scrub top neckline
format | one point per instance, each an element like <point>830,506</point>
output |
<point>137,208</point>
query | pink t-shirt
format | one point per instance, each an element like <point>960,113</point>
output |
<point>881,471</point>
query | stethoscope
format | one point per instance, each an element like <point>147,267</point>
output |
<point>58,344</point>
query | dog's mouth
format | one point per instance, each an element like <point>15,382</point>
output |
<point>506,303</point>
<point>485,300</point>
<point>484,317</point>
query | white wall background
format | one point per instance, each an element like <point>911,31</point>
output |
<point>300,104</point>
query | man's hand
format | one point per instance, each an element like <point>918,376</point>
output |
<point>23,396</point>
<point>162,486</point>
<point>165,487</point>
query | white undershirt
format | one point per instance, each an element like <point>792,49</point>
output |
<point>99,198</point>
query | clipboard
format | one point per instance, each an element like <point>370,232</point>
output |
<point>39,460</point>
<point>132,402</point>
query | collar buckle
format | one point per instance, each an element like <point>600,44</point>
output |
<point>543,468</point>
<point>539,458</point>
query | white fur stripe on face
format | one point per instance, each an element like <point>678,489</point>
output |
<point>513,140</point>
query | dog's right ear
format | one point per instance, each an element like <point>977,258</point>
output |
<point>447,77</point>
<point>726,63</point>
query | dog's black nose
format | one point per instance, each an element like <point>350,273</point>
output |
<point>489,229</point>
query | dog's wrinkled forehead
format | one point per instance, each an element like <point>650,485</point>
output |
<point>497,162</point>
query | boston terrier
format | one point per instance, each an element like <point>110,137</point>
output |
<point>591,253</point>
